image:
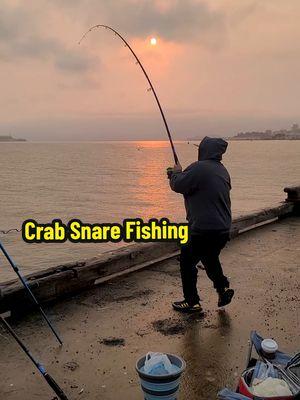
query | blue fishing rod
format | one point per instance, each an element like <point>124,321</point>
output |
<point>29,291</point>
<point>147,77</point>
<point>51,382</point>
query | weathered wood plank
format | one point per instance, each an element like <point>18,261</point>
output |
<point>250,220</point>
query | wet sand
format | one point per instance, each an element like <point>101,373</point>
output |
<point>107,329</point>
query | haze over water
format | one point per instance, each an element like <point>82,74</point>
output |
<point>109,181</point>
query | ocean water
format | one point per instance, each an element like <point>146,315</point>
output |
<point>109,181</point>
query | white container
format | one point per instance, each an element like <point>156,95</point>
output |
<point>269,346</point>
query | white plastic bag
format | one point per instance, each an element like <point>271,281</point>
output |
<point>272,387</point>
<point>263,371</point>
<point>158,364</point>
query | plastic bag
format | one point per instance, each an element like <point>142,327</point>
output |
<point>272,387</point>
<point>158,364</point>
<point>226,394</point>
<point>263,371</point>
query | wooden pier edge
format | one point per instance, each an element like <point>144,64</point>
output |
<point>67,279</point>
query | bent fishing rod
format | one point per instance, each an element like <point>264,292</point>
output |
<point>29,291</point>
<point>51,382</point>
<point>147,77</point>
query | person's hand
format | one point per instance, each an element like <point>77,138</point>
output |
<point>176,168</point>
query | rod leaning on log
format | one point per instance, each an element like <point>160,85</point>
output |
<point>29,292</point>
<point>64,280</point>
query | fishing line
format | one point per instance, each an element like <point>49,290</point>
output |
<point>194,144</point>
<point>147,77</point>
<point>9,231</point>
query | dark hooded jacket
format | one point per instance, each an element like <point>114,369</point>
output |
<point>206,186</point>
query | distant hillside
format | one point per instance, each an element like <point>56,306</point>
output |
<point>9,138</point>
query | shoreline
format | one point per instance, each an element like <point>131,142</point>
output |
<point>230,138</point>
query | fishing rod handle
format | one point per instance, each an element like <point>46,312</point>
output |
<point>51,382</point>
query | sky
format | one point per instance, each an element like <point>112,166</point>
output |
<point>219,67</point>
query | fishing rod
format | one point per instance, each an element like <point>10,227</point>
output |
<point>147,77</point>
<point>29,291</point>
<point>51,382</point>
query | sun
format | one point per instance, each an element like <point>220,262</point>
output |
<point>153,41</point>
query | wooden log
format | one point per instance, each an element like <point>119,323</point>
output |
<point>61,281</point>
<point>293,196</point>
<point>248,221</point>
<point>64,280</point>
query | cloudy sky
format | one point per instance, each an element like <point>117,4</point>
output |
<point>219,67</point>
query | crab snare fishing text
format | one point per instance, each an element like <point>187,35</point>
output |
<point>132,230</point>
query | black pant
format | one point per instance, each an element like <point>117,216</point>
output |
<point>205,247</point>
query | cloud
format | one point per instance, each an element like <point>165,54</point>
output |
<point>211,58</point>
<point>173,20</point>
<point>25,29</point>
<point>180,21</point>
<point>21,37</point>
<point>71,61</point>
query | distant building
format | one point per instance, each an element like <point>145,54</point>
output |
<point>283,134</point>
<point>295,128</point>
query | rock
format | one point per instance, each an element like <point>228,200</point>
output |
<point>71,365</point>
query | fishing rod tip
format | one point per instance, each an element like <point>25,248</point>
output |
<point>59,340</point>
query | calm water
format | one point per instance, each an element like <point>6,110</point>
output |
<point>108,181</point>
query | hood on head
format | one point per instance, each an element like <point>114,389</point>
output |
<point>212,149</point>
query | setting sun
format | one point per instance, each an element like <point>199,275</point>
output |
<point>153,41</point>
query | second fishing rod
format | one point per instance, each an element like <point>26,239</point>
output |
<point>29,291</point>
<point>51,382</point>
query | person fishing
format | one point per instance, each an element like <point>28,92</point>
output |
<point>206,186</point>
